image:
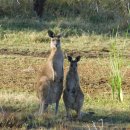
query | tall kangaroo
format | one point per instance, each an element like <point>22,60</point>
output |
<point>73,96</point>
<point>50,80</point>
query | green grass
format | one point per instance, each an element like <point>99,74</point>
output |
<point>24,32</point>
<point>28,36</point>
<point>108,11</point>
<point>19,109</point>
<point>116,60</point>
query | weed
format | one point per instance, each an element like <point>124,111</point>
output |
<point>116,61</point>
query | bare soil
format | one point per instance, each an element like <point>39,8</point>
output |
<point>87,54</point>
<point>94,75</point>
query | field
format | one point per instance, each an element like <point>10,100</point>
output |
<point>24,47</point>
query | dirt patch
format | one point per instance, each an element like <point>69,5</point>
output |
<point>103,53</point>
<point>27,52</point>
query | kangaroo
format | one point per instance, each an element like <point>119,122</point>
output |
<point>73,96</point>
<point>50,80</point>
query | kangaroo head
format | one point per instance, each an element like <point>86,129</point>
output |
<point>73,63</point>
<point>55,39</point>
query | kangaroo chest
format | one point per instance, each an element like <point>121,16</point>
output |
<point>72,90</point>
<point>72,81</point>
<point>58,64</point>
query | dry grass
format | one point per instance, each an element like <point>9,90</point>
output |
<point>19,101</point>
<point>24,46</point>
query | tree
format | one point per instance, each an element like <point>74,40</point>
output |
<point>123,12</point>
<point>38,7</point>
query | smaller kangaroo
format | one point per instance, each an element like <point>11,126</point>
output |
<point>73,96</point>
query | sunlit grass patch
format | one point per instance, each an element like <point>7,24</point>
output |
<point>19,110</point>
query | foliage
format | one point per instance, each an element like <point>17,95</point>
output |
<point>93,10</point>
<point>116,61</point>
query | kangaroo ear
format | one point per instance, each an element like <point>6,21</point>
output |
<point>51,34</point>
<point>69,58</point>
<point>77,59</point>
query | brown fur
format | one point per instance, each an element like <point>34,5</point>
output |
<point>73,96</point>
<point>50,80</point>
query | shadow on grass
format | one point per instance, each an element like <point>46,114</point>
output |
<point>113,117</point>
<point>49,120</point>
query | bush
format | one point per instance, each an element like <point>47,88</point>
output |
<point>94,10</point>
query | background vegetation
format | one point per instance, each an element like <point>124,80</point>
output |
<point>97,11</point>
<point>90,28</point>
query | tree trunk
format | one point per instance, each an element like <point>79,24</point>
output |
<point>123,12</point>
<point>38,7</point>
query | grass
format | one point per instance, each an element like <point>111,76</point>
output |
<point>19,102</point>
<point>24,46</point>
<point>116,76</point>
<point>24,35</point>
<point>19,107</point>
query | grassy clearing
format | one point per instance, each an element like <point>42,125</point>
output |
<point>19,109</point>
<point>24,45</point>
<point>27,34</point>
<point>29,37</point>
<point>19,102</point>
<point>116,60</point>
